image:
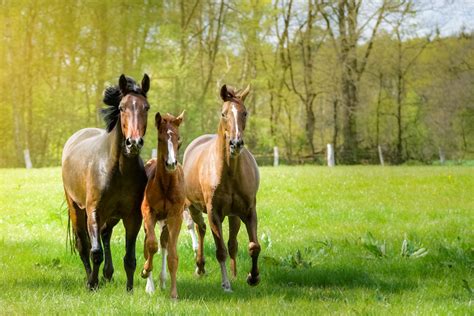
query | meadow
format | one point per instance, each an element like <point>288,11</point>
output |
<point>346,240</point>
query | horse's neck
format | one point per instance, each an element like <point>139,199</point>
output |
<point>117,160</point>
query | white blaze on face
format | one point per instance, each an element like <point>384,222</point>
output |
<point>234,111</point>
<point>171,156</point>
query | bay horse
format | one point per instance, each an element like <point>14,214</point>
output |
<point>164,202</point>
<point>104,179</point>
<point>222,179</point>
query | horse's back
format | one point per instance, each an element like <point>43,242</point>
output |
<point>197,146</point>
<point>79,138</point>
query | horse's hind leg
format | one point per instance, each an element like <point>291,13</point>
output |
<point>174,227</point>
<point>254,247</point>
<point>190,225</point>
<point>132,225</point>
<point>106,234</point>
<point>79,226</point>
<point>232,244</point>
<point>201,229</point>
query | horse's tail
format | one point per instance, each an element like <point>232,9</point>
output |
<point>70,236</point>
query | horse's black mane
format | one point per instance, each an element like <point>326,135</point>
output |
<point>112,97</point>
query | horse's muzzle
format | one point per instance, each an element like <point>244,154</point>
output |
<point>171,166</point>
<point>133,145</point>
<point>236,146</point>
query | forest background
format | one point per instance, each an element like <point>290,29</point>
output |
<point>355,74</point>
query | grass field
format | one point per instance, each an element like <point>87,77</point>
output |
<point>332,243</point>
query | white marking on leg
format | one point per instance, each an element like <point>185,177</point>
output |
<point>190,225</point>
<point>225,280</point>
<point>234,110</point>
<point>171,155</point>
<point>150,286</point>
<point>194,239</point>
<point>163,268</point>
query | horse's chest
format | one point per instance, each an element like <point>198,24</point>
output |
<point>124,197</point>
<point>229,201</point>
<point>165,204</point>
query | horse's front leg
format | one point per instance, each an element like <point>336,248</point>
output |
<point>132,225</point>
<point>150,247</point>
<point>93,225</point>
<point>215,221</point>
<point>164,239</point>
<point>232,244</point>
<point>174,227</point>
<point>254,247</point>
<point>106,234</point>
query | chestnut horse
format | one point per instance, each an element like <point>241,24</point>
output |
<point>222,179</point>
<point>164,202</point>
<point>104,179</point>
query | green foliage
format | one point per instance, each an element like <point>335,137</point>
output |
<point>56,59</point>
<point>412,249</point>
<point>374,246</point>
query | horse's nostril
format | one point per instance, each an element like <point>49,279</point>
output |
<point>140,142</point>
<point>128,142</point>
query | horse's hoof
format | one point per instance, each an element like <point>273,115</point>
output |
<point>129,289</point>
<point>93,286</point>
<point>150,286</point>
<point>199,272</point>
<point>149,289</point>
<point>227,288</point>
<point>253,281</point>
<point>145,274</point>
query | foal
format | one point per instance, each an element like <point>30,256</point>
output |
<point>222,180</point>
<point>164,202</point>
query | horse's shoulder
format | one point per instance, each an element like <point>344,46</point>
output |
<point>150,168</point>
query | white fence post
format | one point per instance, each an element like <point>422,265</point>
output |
<point>330,156</point>
<point>275,157</point>
<point>154,153</point>
<point>442,157</point>
<point>28,163</point>
<point>381,155</point>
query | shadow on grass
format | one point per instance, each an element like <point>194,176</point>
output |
<point>48,267</point>
<point>307,283</point>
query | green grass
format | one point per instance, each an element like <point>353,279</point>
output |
<point>332,244</point>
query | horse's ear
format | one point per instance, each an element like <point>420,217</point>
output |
<point>180,118</point>
<point>157,119</point>
<point>123,84</point>
<point>145,83</point>
<point>242,95</point>
<point>226,94</point>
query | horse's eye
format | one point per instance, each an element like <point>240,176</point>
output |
<point>223,115</point>
<point>245,114</point>
<point>120,108</point>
